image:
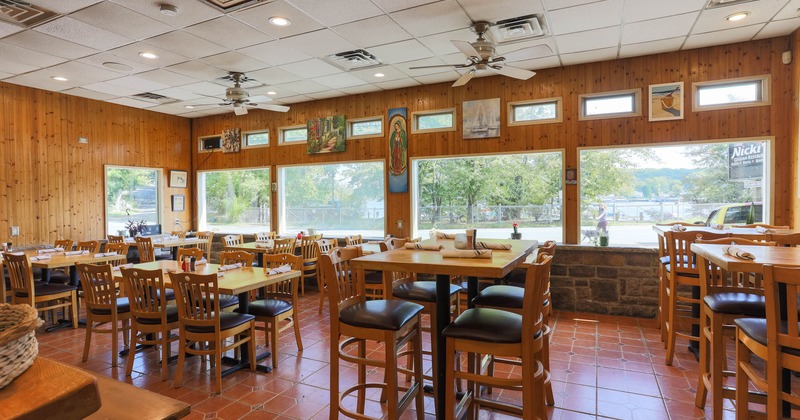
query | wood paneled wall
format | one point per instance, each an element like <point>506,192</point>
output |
<point>723,62</point>
<point>53,187</point>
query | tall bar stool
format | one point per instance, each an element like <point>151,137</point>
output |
<point>324,246</point>
<point>726,296</point>
<point>500,333</point>
<point>354,320</point>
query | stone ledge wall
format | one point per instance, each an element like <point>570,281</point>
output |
<point>604,280</point>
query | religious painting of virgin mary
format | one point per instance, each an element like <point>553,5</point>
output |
<point>398,150</point>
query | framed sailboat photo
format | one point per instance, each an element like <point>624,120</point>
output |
<point>481,119</point>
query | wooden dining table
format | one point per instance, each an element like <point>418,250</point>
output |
<point>432,262</point>
<point>170,242</point>
<point>60,260</point>
<point>238,282</point>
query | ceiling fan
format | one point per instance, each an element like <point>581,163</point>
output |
<point>240,98</point>
<point>481,56</point>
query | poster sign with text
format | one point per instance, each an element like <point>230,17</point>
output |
<point>745,161</point>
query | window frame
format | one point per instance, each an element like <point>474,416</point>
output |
<point>417,114</point>
<point>511,107</point>
<point>200,143</point>
<point>282,130</point>
<point>200,187</point>
<point>160,186</point>
<point>765,89</point>
<point>636,97</point>
<point>246,145</point>
<point>350,122</point>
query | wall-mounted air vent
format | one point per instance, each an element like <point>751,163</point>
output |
<point>353,60</point>
<point>713,4</point>
<point>154,98</point>
<point>23,13</point>
<point>231,5</point>
<point>517,29</point>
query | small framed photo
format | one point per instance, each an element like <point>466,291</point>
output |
<point>666,101</point>
<point>178,202</point>
<point>177,179</point>
<point>571,176</point>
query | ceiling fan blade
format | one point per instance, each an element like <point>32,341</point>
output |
<point>464,78</point>
<point>240,110</point>
<point>528,53</point>
<point>271,107</point>
<point>466,48</point>
<point>514,72</point>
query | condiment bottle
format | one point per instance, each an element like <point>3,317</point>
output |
<point>192,263</point>
<point>183,265</point>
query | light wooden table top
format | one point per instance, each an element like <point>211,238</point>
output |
<point>233,282</point>
<point>123,401</point>
<point>740,232</point>
<point>251,247</point>
<point>59,260</point>
<point>169,243</point>
<point>776,255</point>
<point>50,390</point>
<point>432,262</point>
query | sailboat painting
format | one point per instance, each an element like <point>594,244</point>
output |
<point>481,119</point>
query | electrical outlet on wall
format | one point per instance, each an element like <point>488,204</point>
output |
<point>14,230</point>
<point>400,224</point>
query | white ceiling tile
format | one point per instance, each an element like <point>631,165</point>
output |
<point>653,47</point>
<point>389,6</point>
<point>40,80</point>
<point>137,83</point>
<point>789,11</point>
<point>562,4</point>
<point>320,43</point>
<point>398,84</point>
<point>165,58</point>
<point>47,44</point>
<point>406,67</point>
<point>304,87</point>
<point>112,89</point>
<point>493,11</point>
<point>27,57</point>
<point>7,29</point>
<point>442,16</point>
<point>5,75</point>
<point>779,28</point>
<point>538,63</point>
<point>664,28</point>
<point>82,33</point>
<point>14,67</point>
<point>275,53</point>
<point>167,77</point>
<point>234,61</point>
<point>374,31</point>
<point>526,50</point>
<point>587,17</point>
<point>273,76</point>
<point>280,92</point>
<point>722,37</point>
<point>635,11</point>
<point>331,13</point>
<point>229,33</point>
<point>357,90</point>
<point>714,19</point>
<point>97,60</point>
<point>294,99</point>
<point>90,94</point>
<point>178,93</point>
<point>79,74</point>
<point>198,70</point>
<point>440,44</point>
<point>401,51</point>
<point>190,12</point>
<point>326,94</point>
<point>341,80</point>
<point>368,75</point>
<point>186,44</point>
<point>65,6</point>
<point>206,88</point>
<point>135,103</point>
<point>110,16</point>
<point>589,56</point>
<point>589,40</point>
<point>311,68</point>
<point>258,17</point>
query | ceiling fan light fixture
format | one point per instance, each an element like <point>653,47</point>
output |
<point>280,21</point>
<point>168,10</point>
<point>737,16</point>
<point>148,55</point>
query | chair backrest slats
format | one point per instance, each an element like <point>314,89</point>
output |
<point>147,252</point>
<point>63,243</point>
<point>286,289</point>
<point>20,276</point>
<point>781,284</point>
<point>536,279</point>
<point>345,284</point>
<point>353,240</point>
<point>284,246</point>
<point>197,253</point>
<point>198,299</point>
<point>308,249</point>
<point>146,292</point>
<point>204,240</point>
<point>264,236</point>
<point>233,240</point>
<point>115,239</point>
<point>91,246</point>
<point>120,248</point>
<point>99,286</point>
<point>233,257</point>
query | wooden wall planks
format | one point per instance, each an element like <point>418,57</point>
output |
<point>54,187</point>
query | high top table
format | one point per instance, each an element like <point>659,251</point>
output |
<point>432,262</point>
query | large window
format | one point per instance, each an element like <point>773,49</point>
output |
<point>335,199</point>
<point>707,184</point>
<point>489,193</point>
<point>234,201</point>
<point>132,194</point>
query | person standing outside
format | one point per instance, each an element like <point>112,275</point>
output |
<point>602,219</point>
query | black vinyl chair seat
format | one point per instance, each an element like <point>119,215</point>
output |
<point>373,277</point>
<point>226,301</point>
<point>422,291</point>
<point>380,314</point>
<point>691,275</point>
<point>46,289</point>
<point>309,263</point>
<point>756,328</point>
<point>488,325</point>
<point>500,296</point>
<point>169,294</point>
<point>59,277</point>
<point>123,306</point>
<point>665,259</point>
<point>268,307</point>
<point>227,320</point>
<point>747,304</point>
<point>172,316</point>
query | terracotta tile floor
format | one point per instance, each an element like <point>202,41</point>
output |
<point>602,367</point>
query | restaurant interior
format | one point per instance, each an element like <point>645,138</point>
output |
<point>250,189</point>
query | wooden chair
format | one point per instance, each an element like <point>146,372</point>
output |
<point>677,223</point>
<point>201,321</point>
<point>121,248</point>
<point>264,236</point>
<point>114,239</point>
<point>234,257</point>
<point>63,243</point>
<point>308,250</point>
<point>197,253</point>
<point>500,333</point>
<point>179,233</point>
<point>764,225</point>
<point>785,239</point>
<point>40,295</point>
<point>353,240</point>
<point>204,241</point>
<point>682,272</point>
<point>233,240</point>
<point>726,296</point>
<point>60,276</point>
<point>775,340</point>
<point>150,314</point>
<point>277,305</point>
<point>91,246</point>
<point>373,280</point>
<point>103,306</point>
<point>284,246</point>
<point>353,321</point>
<point>147,253</point>
<point>324,246</point>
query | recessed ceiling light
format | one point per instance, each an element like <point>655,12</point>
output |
<point>189,106</point>
<point>117,66</point>
<point>379,75</point>
<point>59,78</point>
<point>169,10</point>
<point>737,16</point>
<point>148,55</point>
<point>279,21</point>
<point>272,93</point>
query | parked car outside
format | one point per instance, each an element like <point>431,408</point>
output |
<point>734,214</point>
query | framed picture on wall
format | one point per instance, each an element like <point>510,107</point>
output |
<point>177,179</point>
<point>666,101</point>
<point>178,202</point>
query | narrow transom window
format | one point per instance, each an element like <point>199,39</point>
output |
<point>732,93</point>
<point>294,134</point>
<point>365,127</point>
<point>432,121</point>
<point>256,138</point>
<point>610,104</point>
<point>535,111</point>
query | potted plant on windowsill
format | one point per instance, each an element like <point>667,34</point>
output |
<point>135,228</point>
<point>516,234</point>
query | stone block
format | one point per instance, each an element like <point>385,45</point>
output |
<point>604,259</point>
<point>581,282</point>
<point>607,272</point>
<point>605,290</point>
<point>558,270</point>
<point>581,271</point>
<point>563,299</point>
<point>642,259</point>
